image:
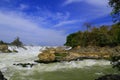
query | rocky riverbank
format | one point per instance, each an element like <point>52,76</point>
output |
<point>62,54</point>
<point>109,77</point>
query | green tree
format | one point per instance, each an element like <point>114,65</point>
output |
<point>73,39</point>
<point>17,42</point>
<point>115,35</point>
<point>115,4</point>
<point>1,42</point>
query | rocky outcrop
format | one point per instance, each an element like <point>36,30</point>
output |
<point>2,76</point>
<point>109,77</point>
<point>46,57</point>
<point>51,55</point>
<point>25,64</point>
<point>61,54</point>
<point>4,48</point>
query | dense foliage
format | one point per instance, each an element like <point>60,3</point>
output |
<point>17,42</point>
<point>101,36</point>
<point>115,4</point>
<point>2,42</point>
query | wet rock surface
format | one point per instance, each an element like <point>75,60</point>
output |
<point>25,64</point>
<point>109,77</point>
<point>2,76</point>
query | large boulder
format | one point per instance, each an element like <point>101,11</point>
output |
<point>61,54</point>
<point>109,77</point>
<point>52,55</point>
<point>4,48</point>
<point>46,57</point>
<point>2,76</point>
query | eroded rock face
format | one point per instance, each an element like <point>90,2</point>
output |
<point>109,77</point>
<point>2,76</point>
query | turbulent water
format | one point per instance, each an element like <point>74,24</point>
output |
<point>74,70</point>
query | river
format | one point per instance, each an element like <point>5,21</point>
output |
<point>88,69</point>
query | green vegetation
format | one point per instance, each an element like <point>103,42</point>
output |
<point>2,42</point>
<point>115,4</point>
<point>60,56</point>
<point>101,36</point>
<point>15,42</point>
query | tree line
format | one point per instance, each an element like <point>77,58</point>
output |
<point>99,36</point>
<point>96,36</point>
<point>15,42</point>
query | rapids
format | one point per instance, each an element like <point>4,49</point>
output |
<point>43,71</point>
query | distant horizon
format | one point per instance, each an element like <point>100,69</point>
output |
<point>46,22</point>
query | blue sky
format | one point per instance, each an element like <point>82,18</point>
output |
<point>48,22</point>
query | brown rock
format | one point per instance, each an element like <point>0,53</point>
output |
<point>72,56</point>
<point>4,48</point>
<point>46,57</point>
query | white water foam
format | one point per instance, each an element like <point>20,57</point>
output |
<point>31,53</point>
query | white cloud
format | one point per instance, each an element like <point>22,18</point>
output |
<point>91,2</point>
<point>94,9</point>
<point>23,6</point>
<point>68,22</point>
<point>67,2</point>
<point>97,2</point>
<point>15,25</point>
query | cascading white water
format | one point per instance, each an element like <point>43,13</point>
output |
<point>23,55</point>
<point>30,54</point>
